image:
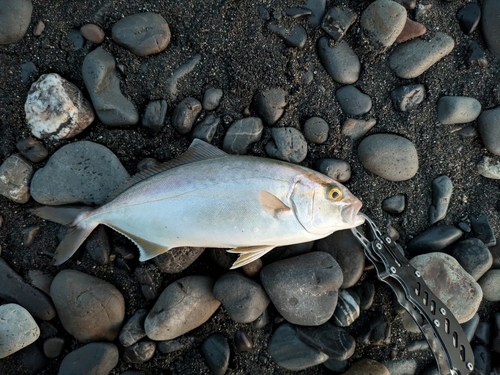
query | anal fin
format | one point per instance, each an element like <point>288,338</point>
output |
<point>248,254</point>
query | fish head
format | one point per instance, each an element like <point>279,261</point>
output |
<point>323,205</point>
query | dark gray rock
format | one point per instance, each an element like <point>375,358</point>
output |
<point>316,130</point>
<point>97,358</point>
<point>222,258</point>
<point>416,345</point>
<point>395,204</point>
<point>178,259</point>
<point>180,72</point>
<point>347,310</point>
<point>490,285</point>
<point>337,21</point>
<point>263,13</point>
<point>464,227</point>
<point>15,177</point>
<point>28,69</point>
<point>216,351</point>
<point>270,104</point>
<point>296,12</point>
<point>76,39</point>
<point>407,98</point>
<point>133,330</point>
<point>339,170</point>
<point>468,17</point>
<point>357,129</point>
<point>442,188</point>
<point>206,128</point>
<point>154,116</point>
<point>376,332</point>
<point>15,19</point>
<point>483,333</point>
<point>366,293</point>
<point>212,98</point>
<point>457,109</point>
<point>139,352</point>
<point>185,114</point>
<point>473,256</point>
<point>98,246</point>
<point>340,61</point>
<point>262,320</point>
<point>483,230</point>
<point>336,366</point>
<point>317,8</point>
<point>241,134</point>
<point>32,149</point>
<point>435,238</point>
<point>296,38</point>
<point>39,28</point>
<point>482,360</point>
<point>383,21</point>
<point>475,55</point>
<point>288,144</point>
<point>328,339</point>
<point>53,347</point>
<point>170,346</point>
<point>242,341</point>
<point>490,25</point>
<point>18,329</point>
<point>495,253</point>
<point>401,367</point>
<point>93,33</point>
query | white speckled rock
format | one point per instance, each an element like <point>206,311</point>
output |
<point>18,329</point>
<point>15,176</point>
<point>489,168</point>
<point>56,109</point>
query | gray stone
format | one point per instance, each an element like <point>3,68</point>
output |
<point>92,33</point>
<point>455,287</point>
<point>143,33</point>
<point>206,128</point>
<point>490,285</point>
<point>304,289</point>
<point>53,347</point>
<point>411,59</point>
<point>98,245</point>
<point>178,259</point>
<point>28,69</point>
<point>133,330</point>
<point>489,168</point>
<point>483,229</point>
<point>241,134</point>
<point>316,130</point>
<point>395,204</point>
<point>475,55</point>
<point>457,109</point>
<point>180,72</point>
<point>401,367</point>
<point>15,177</point>
<point>407,98</point>
<point>328,339</point>
<point>154,116</point>
<point>297,37</point>
<point>185,114</point>
<point>39,28</point>
<point>490,25</point>
<point>216,351</point>
<point>389,156</point>
<point>139,352</point>
<point>18,329</point>
<point>347,310</point>
<point>297,12</point>
<point>473,256</point>
<point>103,85</point>
<point>40,280</point>
<point>90,309</point>
<point>270,105</point>
<point>435,238</point>
<point>340,61</point>
<point>15,19</point>
<point>32,149</point>
<point>489,129</point>
<point>337,21</point>
<point>76,39</point>
<point>471,326</point>
<point>97,358</point>
<point>367,367</point>
<point>288,144</point>
<point>317,8</point>
<point>376,332</point>
<point>352,101</point>
<point>468,17</point>
<point>383,21</point>
<point>339,170</point>
<point>242,341</point>
<point>442,188</point>
<point>357,129</point>
<point>183,306</point>
<point>212,98</point>
<point>83,172</point>
<point>263,13</point>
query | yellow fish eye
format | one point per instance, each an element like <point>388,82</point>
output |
<point>335,193</point>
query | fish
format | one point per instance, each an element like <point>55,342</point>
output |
<point>208,198</point>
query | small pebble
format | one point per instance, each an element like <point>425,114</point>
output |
<point>317,8</point>
<point>468,131</point>
<point>468,17</point>
<point>347,310</point>
<point>442,188</point>
<point>316,130</point>
<point>263,13</point>
<point>339,170</point>
<point>133,330</point>
<point>337,21</point>
<point>76,39</point>
<point>32,149</point>
<point>340,61</point>
<point>212,98</point>
<point>366,293</point>
<point>367,367</point>
<point>490,284</point>
<point>86,359</point>
<point>139,352</point>
<point>270,105</point>
<point>206,128</point>
<point>395,204</point>
<point>383,21</point>
<point>185,114</point>
<point>243,341</point>
<point>154,116</point>
<point>297,37</point>
<point>475,55</point>
<point>28,69</point>
<point>288,144</point>
<point>490,26</point>
<point>357,129</point>
<point>352,101</point>
<point>489,129</point>
<point>241,134</point>
<point>98,245</point>
<point>92,33</point>
<point>53,347</point>
<point>39,28</point>
<point>328,339</point>
<point>435,238</point>
<point>216,351</point>
<point>483,333</point>
<point>483,230</point>
<point>407,98</point>
<point>411,30</point>
<point>178,259</point>
<point>408,4</point>
<point>457,109</point>
<point>473,256</point>
<point>489,168</point>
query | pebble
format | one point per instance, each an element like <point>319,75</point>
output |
<point>15,177</point>
<point>489,129</point>
<point>483,333</point>
<point>337,21</point>
<point>242,341</point>
<point>357,129</point>
<point>366,293</point>
<point>473,256</point>
<point>442,188</point>
<point>185,114</point>
<point>212,98</point>
<point>180,72</point>
<point>216,351</point>
<point>299,298</point>
<point>290,352</point>
<point>76,39</point>
<point>376,332</point>
<point>495,253</point>
<point>103,85</point>
<point>340,61</point>
<point>490,284</point>
<point>401,367</point>
<point>97,358</point>
<point>206,128</point>
<point>15,19</point>
<point>90,309</point>
<point>411,59</point>
<point>339,170</point>
<point>244,299</point>
<point>183,306</point>
<point>32,149</point>
<point>464,227</point>
<point>352,101</point>
<point>92,33</point>
<point>241,134</point>
<point>347,252</point>
<point>383,21</point>
<point>262,320</point>
<point>170,346</point>
<point>328,339</point>
<point>468,17</point>
<point>98,246</point>
<point>139,352</point>
<point>39,28</point>
<point>18,329</point>
<point>490,26</point>
<point>133,330</point>
<point>475,55</point>
<point>454,286</point>
<point>407,98</point>
<point>40,280</point>
<point>53,347</point>
<point>367,367</point>
<point>253,269</point>
<point>178,259</point>
<point>82,171</point>
<point>29,234</point>
<point>296,38</point>
<point>336,366</point>
<point>470,327</point>
<point>33,359</point>
<point>263,13</point>
<point>411,30</point>
<point>154,116</point>
<point>457,109</point>
<point>270,105</point>
<point>347,310</point>
<point>435,238</point>
<point>317,8</point>
<point>296,12</point>
<point>489,168</point>
<point>395,204</point>
<point>482,360</point>
<point>389,156</point>
<point>288,144</point>
<point>28,69</point>
<point>483,230</point>
<point>316,130</point>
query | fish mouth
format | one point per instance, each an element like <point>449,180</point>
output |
<point>350,215</point>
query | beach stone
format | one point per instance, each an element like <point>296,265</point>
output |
<point>212,98</point>
<point>401,367</point>
<point>490,285</point>
<point>489,168</point>
<point>56,109</point>
<point>316,130</point>
<point>383,21</point>
<point>483,230</point>
<point>407,98</point>
<point>180,72</point>
<point>154,116</point>
<point>339,61</point>
<point>252,269</point>
<point>92,33</point>
<point>242,341</point>
<point>143,33</point>
<point>85,172</point>
<point>98,245</point>
<point>97,358</point>
<point>337,21</point>
<point>457,109</point>
<point>15,19</point>
<point>442,188</point>
<point>139,352</point>
<point>489,129</point>
<point>304,289</point>
<point>377,331</point>
<point>15,177</point>
<point>206,128</point>
<point>366,293</point>
<point>216,351</point>
<point>263,13</point>
<point>183,306</point>
<point>347,310</point>
<point>483,332</point>
<point>317,8</point>
<point>178,259</point>
<point>133,330</point>
<point>475,55</point>
<point>39,28</point>
<point>357,129</point>
<point>270,104</point>
<point>290,352</point>
<point>296,38</point>
<point>389,156</point>
<point>468,17</point>
<point>455,287</point>
<point>473,256</point>
<point>336,366</point>
<point>288,144</point>
<point>352,101</point>
<point>328,339</point>
<point>185,114</point>
<point>103,85</point>
<point>18,329</point>
<point>32,149</point>
<point>241,134</point>
<point>90,309</point>
<point>339,170</point>
<point>470,326</point>
<point>76,40</point>
<point>297,12</point>
<point>367,367</point>
<point>395,204</point>
<point>490,25</point>
<point>53,347</point>
<point>411,30</point>
<point>28,69</point>
<point>411,59</point>
<point>244,299</point>
<point>170,346</point>
<point>434,239</point>
<point>495,253</point>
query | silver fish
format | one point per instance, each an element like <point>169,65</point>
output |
<point>207,198</point>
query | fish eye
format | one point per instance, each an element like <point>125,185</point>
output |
<point>335,193</point>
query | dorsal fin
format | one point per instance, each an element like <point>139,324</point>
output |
<point>197,151</point>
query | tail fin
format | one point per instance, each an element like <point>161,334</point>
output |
<point>78,231</point>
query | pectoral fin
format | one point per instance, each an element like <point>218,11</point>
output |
<point>271,203</point>
<point>248,254</point>
<point>147,249</point>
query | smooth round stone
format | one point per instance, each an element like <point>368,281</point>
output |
<point>490,25</point>
<point>15,177</point>
<point>178,259</point>
<point>366,293</point>
<point>401,367</point>
<point>337,21</point>
<point>383,21</point>
<point>389,156</point>
<point>411,30</point>
<point>263,13</point>
<point>407,98</point>
<point>357,129</point>
<point>32,149</point>
<point>339,170</point>
<point>18,329</point>
<point>340,61</point>
<point>288,144</point>
<point>490,284</point>
<point>328,339</point>
<point>457,109</point>
<point>367,367</point>
<point>98,245</point>
<point>288,351</point>
<point>242,341</point>
<point>39,28</point>
<point>395,204</point>
<point>495,253</point>
<point>336,366</point>
<point>317,8</point>
<point>90,309</point>
<point>473,256</point>
<point>97,358</point>
<point>15,19</point>
<point>28,69</point>
<point>352,101</point>
<point>482,357</point>
<point>241,134</point>
<point>316,130</point>
<point>139,352</point>
<point>133,330</point>
<point>183,306</point>
<point>154,116</point>
<point>83,171</point>
<point>270,105</point>
<point>216,351</point>
<point>442,188</point>
<point>347,310</point>
<point>170,346</point>
<point>454,286</point>
<point>489,129</point>
<point>206,128</point>
<point>143,34</point>
<point>185,114</point>
<point>244,299</point>
<point>468,17</point>
<point>212,98</point>
<point>92,33</point>
<point>299,298</point>
<point>483,332</point>
<point>435,238</point>
<point>53,347</point>
<point>376,332</point>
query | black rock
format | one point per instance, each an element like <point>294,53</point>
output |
<point>482,358</point>
<point>270,104</point>
<point>222,258</point>
<point>170,346</point>
<point>476,55</point>
<point>336,366</point>
<point>395,204</point>
<point>495,253</point>
<point>98,246</point>
<point>288,144</point>
<point>262,320</point>
<point>317,7</point>
<point>417,345</point>
<point>154,116</point>
<point>468,17</point>
<point>178,259</point>
<point>434,239</point>
<point>470,327</point>
<point>146,282</point>
<point>336,22</point>
<point>133,330</point>
<point>215,349</point>
<point>340,61</point>
<point>297,38</point>
<point>483,230</point>
<point>352,101</point>
<point>347,310</point>
<point>464,227</point>
<point>263,13</point>
<point>53,347</point>
<point>243,341</point>
<point>376,332</point>
<point>329,339</point>
<point>442,188</point>
<point>473,256</point>
<point>366,293</point>
<point>27,71</point>
<point>205,129</point>
<point>339,170</point>
<point>139,352</point>
<point>356,128</point>
<point>88,358</point>
<point>406,98</point>
<point>184,115</point>
<point>33,358</point>
<point>483,333</point>
<point>32,149</point>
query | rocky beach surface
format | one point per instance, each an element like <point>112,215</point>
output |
<point>398,100</point>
